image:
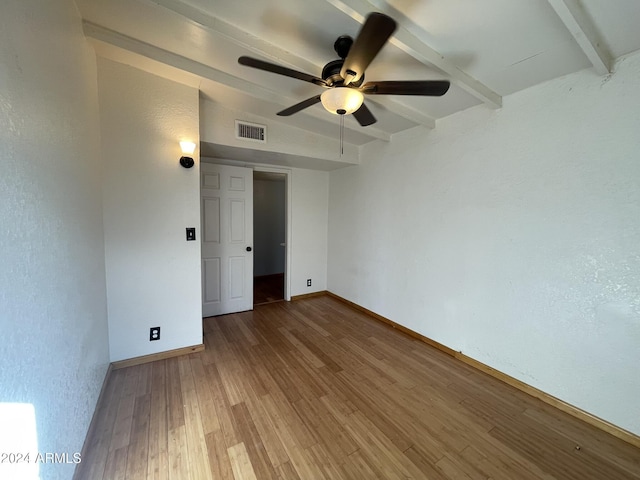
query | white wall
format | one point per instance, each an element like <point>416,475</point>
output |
<point>510,235</point>
<point>269,227</point>
<point>53,316</point>
<point>309,223</point>
<point>218,127</point>
<point>153,273</point>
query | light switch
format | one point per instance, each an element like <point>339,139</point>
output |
<point>191,234</point>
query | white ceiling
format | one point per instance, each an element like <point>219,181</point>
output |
<point>487,48</point>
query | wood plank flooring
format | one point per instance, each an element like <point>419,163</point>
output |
<point>314,389</point>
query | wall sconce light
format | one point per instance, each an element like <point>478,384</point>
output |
<point>187,149</point>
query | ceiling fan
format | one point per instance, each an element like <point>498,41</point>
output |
<point>344,78</point>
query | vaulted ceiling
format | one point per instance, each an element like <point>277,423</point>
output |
<point>487,49</point>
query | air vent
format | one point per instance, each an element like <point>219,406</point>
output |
<point>251,131</point>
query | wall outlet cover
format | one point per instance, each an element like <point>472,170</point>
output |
<point>154,334</point>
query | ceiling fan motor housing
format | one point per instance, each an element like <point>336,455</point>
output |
<point>331,74</point>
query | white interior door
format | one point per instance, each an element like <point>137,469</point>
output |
<point>227,239</point>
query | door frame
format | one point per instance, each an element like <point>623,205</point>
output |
<point>258,167</point>
<point>287,201</point>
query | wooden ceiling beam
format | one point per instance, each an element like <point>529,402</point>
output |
<point>185,64</point>
<point>278,55</point>
<point>418,49</point>
<point>584,32</point>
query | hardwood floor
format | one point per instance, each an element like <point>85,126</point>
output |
<point>268,288</point>
<point>314,389</point>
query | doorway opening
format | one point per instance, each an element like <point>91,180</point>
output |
<point>269,236</point>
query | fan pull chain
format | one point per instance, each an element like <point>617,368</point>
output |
<point>341,135</point>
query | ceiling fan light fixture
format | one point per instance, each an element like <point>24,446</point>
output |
<point>341,100</point>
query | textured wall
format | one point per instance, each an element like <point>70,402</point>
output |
<point>53,318</point>
<point>510,235</point>
<point>309,223</point>
<point>153,273</point>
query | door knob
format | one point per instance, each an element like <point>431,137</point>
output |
<point>248,249</point>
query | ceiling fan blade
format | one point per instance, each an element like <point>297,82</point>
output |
<point>280,70</point>
<point>299,106</point>
<point>364,116</point>
<point>374,34</point>
<point>431,88</point>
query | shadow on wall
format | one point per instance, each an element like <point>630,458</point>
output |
<point>269,223</point>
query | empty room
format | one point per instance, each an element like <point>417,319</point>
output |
<point>343,239</point>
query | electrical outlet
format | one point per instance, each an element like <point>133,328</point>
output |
<point>308,282</point>
<point>154,334</point>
